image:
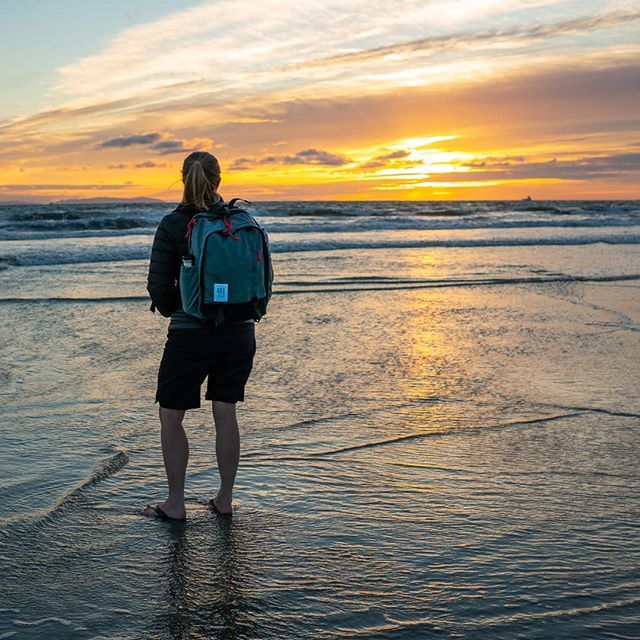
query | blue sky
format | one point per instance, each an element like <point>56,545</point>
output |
<point>38,36</point>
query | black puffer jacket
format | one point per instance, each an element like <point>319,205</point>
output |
<point>169,245</point>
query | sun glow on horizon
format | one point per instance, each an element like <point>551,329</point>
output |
<point>424,99</point>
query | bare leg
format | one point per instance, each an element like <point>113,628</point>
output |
<point>175,452</point>
<point>227,451</point>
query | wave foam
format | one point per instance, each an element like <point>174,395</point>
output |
<point>41,255</point>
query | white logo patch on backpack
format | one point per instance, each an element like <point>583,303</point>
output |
<point>220,292</point>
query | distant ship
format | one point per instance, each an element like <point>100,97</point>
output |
<point>527,199</point>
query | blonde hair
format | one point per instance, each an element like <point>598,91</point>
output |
<point>201,177</point>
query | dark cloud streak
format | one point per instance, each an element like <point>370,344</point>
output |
<point>127,141</point>
<point>585,168</point>
<point>304,157</point>
<point>314,156</point>
<point>169,146</point>
<point>148,164</point>
<point>383,160</point>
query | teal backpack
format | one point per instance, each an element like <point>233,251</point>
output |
<point>227,271</point>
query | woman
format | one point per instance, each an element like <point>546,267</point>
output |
<point>194,351</point>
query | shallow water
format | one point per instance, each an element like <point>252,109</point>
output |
<point>436,442</point>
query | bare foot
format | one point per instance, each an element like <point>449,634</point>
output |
<point>173,510</point>
<point>221,505</point>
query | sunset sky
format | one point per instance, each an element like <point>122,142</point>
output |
<point>410,99</point>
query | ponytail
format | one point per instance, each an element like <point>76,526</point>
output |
<point>201,176</point>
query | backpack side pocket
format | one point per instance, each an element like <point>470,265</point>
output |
<point>189,281</point>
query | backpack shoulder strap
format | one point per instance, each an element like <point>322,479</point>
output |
<point>190,224</point>
<point>232,202</point>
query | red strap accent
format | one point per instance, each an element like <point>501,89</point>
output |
<point>190,226</point>
<point>258,256</point>
<point>227,229</point>
<point>228,225</point>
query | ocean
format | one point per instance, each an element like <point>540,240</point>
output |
<point>439,439</point>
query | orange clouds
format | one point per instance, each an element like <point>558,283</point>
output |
<point>427,99</point>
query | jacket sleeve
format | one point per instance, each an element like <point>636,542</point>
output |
<point>161,281</point>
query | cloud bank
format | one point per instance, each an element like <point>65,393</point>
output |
<point>304,95</point>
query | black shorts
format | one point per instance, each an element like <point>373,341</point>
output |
<point>225,354</point>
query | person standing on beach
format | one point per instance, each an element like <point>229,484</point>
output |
<point>195,349</point>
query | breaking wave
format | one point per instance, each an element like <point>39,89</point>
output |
<point>77,254</point>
